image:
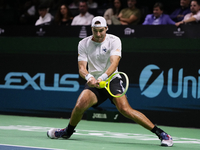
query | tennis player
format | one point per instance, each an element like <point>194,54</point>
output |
<point>101,52</point>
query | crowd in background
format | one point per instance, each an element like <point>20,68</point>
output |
<point>81,12</point>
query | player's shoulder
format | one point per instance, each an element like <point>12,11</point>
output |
<point>86,39</point>
<point>112,37</point>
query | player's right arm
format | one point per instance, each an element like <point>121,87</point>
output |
<point>82,66</point>
<point>82,59</point>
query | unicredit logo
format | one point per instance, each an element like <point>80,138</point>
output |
<point>151,83</point>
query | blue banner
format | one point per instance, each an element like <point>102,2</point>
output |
<point>159,82</point>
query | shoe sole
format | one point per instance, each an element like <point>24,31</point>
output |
<point>166,145</point>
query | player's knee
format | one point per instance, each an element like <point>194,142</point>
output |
<point>80,108</point>
<point>124,110</point>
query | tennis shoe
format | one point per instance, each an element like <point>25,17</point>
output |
<point>166,139</point>
<point>58,133</point>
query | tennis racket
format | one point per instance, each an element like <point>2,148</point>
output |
<point>124,83</point>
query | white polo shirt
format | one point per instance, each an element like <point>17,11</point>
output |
<point>46,19</point>
<point>82,20</point>
<point>197,16</point>
<point>98,54</point>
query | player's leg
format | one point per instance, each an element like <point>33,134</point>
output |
<point>85,100</point>
<point>124,108</point>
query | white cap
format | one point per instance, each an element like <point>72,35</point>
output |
<point>101,20</point>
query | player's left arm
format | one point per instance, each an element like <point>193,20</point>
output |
<point>114,60</point>
<point>115,56</point>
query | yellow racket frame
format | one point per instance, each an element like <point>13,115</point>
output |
<point>107,86</point>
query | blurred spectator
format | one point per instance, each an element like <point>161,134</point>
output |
<point>9,12</point>
<point>158,18</point>
<point>74,4</point>
<point>29,12</point>
<point>113,12</point>
<point>63,16</point>
<point>91,4</point>
<point>105,4</point>
<point>54,5</point>
<point>45,17</point>
<point>128,16</point>
<point>92,7</point>
<point>84,18</point>
<point>194,16</point>
<point>74,7</point>
<point>180,12</point>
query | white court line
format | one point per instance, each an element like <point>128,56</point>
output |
<point>30,147</point>
<point>108,134</point>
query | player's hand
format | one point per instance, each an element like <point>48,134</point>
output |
<point>97,83</point>
<point>92,82</point>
